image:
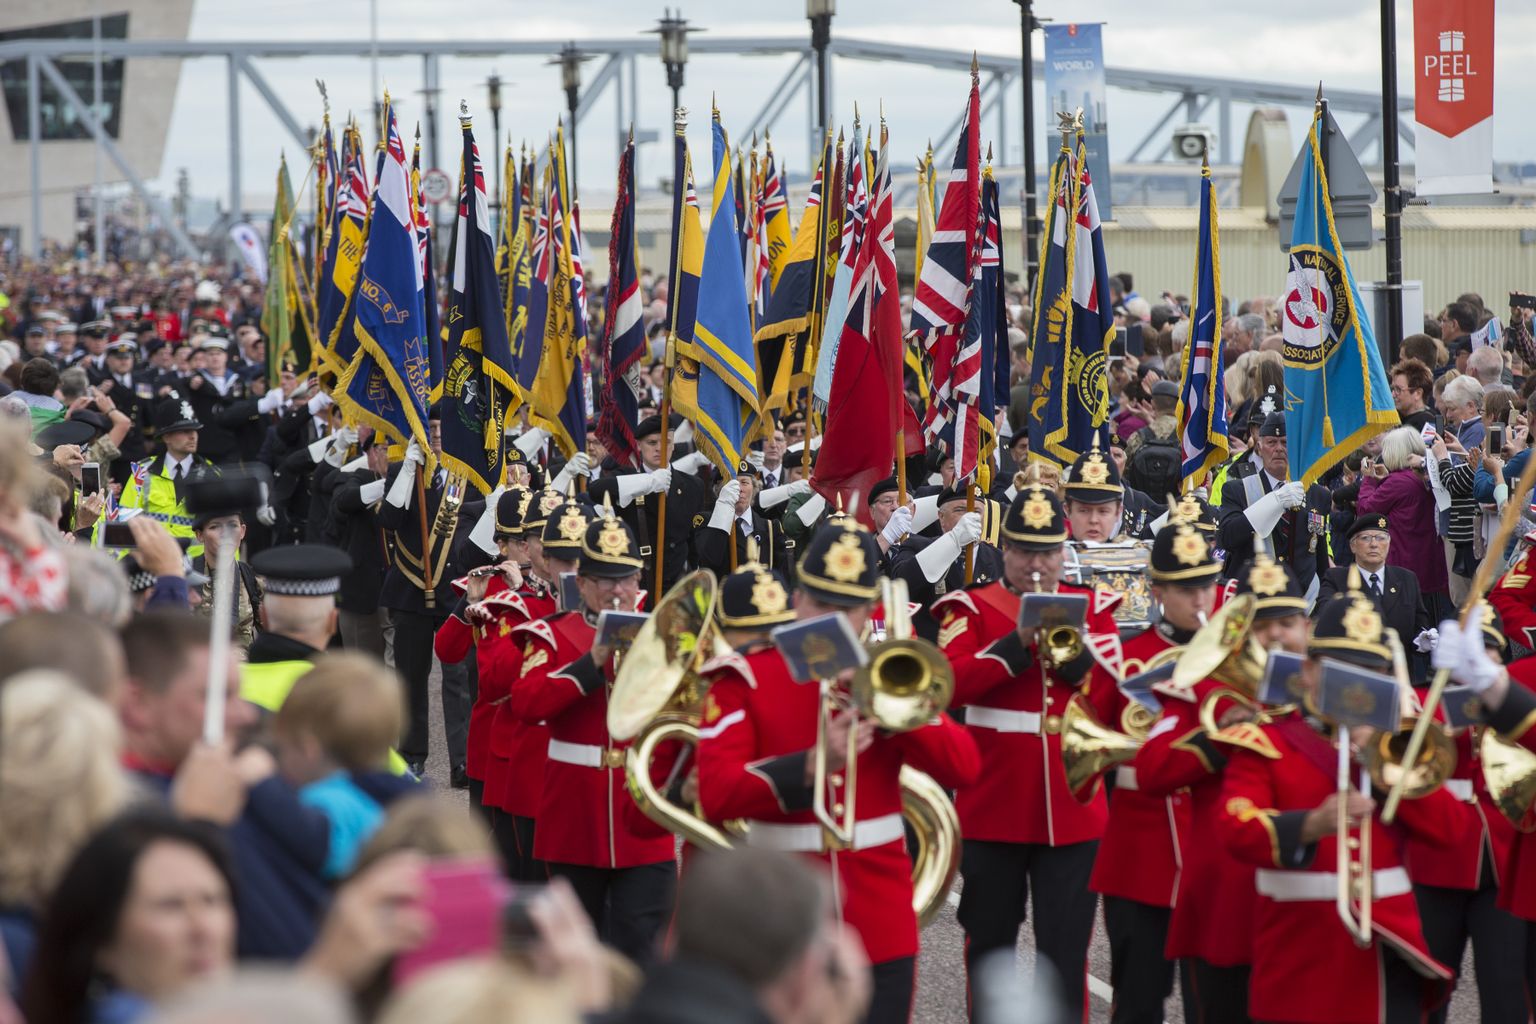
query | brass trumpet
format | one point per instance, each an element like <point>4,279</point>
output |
<point>1057,644</point>
<point>1090,747</point>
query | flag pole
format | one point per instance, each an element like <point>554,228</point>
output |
<point>428,590</point>
<point>679,200</point>
<point>970,549</point>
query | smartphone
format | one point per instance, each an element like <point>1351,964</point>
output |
<point>464,899</point>
<point>90,479</point>
<point>1493,443</point>
<point>1520,300</point>
<point>119,535</point>
<point>1135,344</point>
<point>519,933</point>
<point>1117,346</point>
<point>570,593</point>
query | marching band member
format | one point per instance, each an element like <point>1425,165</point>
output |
<point>1279,814</point>
<point>1094,505</point>
<point>1146,838</point>
<point>624,881</point>
<point>1457,884</point>
<point>757,752</point>
<point>1025,835</point>
<point>1210,928</point>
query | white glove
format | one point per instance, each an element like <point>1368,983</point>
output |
<point>936,558</point>
<point>265,515</point>
<point>1158,523</point>
<point>320,403</point>
<point>1292,494</point>
<point>635,485</point>
<point>404,487</point>
<point>968,529</point>
<point>898,526</point>
<point>371,492</point>
<point>361,462</point>
<point>531,441</point>
<point>340,441</point>
<point>811,511</point>
<point>483,533</point>
<point>1426,640</point>
<point>1265,513</point>
<point>414,454</point>
<point>683,434</point>
<point>755,459</point>
<point>776,496</point>
<point>271,401</point>
<point>1477,671</point>
<point>1447,652</point>
<point>578,465</point>
<point>926,513</point>
<point>661,480</point>
<point>318,450</point>
<point>691,463</point>
<point>725,505</point>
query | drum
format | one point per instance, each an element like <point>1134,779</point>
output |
<point>1117,568</point>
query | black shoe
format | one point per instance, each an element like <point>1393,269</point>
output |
<point>417,768</point>
<point>459,778</point>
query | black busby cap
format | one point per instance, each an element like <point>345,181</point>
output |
<point>1093,478</point>
<point>1195,510</point>
<point>302,570</point>
<point>754,596</point>
<point>841,564</point>
<point>609,550</point>
<point>1034,520</point>
<point>175,414</point>
<point>1366,523</point>
<point>1274,588</point>
<point>544,503</point>
<point>511,509</point>
<point>1182,556</point>
<point>1349,628</point>
<point>565,527</point>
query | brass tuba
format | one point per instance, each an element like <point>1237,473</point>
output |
<point>1509,770</point>
<point>659,696</point>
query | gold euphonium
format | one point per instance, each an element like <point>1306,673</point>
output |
<point>1509,770</point>
<point>1090,747</point>
<point>1386,751</point>
<point>659,696</point>
<point>1224,649</point>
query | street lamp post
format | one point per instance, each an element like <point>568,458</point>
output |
<point>673,29</point>
<point>493,87</point>
<point>820,13</point>
<point>570,61</point>
<point>1027,25</point>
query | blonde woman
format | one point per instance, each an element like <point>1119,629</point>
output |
<point>59,781</point>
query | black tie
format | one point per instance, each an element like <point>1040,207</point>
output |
<point>1374,586</point>
<point>176,474</point>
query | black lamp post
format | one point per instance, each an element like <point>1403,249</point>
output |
<point>570,61</point>
<point>673,29</point>
<point>820,13</point>
<point>493,86</point>
<point>1031,213</point>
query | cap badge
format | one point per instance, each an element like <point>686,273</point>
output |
<point>1361,622</point>
<point>612,540</point>
<point>768,595</point>
<point>845,559</point>
<point>1095,471</point>
<point>186,410</point>
<point>1189,547</point>
<point>549,501</point>
<point>572,525</point>
<point>1267,579</point>
<point>1037,510</point>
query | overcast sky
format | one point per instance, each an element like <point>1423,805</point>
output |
<point>1298,42</point>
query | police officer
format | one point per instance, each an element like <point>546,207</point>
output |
<point>157,487</point>
<point>298,613</point>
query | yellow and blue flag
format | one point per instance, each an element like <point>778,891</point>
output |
<point>1336,391</point>
<point>388,383</point>
<point>477,387</point>
<point>345,238</point>
<point>726,412</point>
<point>558,393</point>
<point>1202,410</point>
<point>519,275</point>
<point>775,203</point>
<point>687,262</point>
<point>797,291</point>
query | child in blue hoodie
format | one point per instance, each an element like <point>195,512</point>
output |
<point>332,739</point>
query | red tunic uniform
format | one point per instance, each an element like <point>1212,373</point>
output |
<point>451,645</point>
<point>1141,852</point>
<point>515,750</point>
<point>1516,721</point>
<point>581,809</point>
<point>1213,909</point>
<point>757,734</point>
<point>1307,966</point>
<point>1015,707</point>
<point>1515,598</point>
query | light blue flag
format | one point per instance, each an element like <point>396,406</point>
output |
<point>1336,390</point>
<point>842,281</point>
<point>727,386</point>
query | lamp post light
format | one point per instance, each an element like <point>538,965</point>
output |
<point>820,13</point>
<point>1027,26</point>
<point>493,101</point>
<point>673,29</point>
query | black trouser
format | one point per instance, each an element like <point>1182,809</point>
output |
<point>1000,880</point>
<point>1139,973</point>
<point>1215,995</point>
<point>1450,917</point>
<point>891,1000</point>
<point>628,906</point>
<point>413,661</point>
<point>514,838</point>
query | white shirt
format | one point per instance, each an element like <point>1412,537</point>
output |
<point>171,466</point>
<point>1379,575</point>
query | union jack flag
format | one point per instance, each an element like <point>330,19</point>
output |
<point>1202,410</point>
